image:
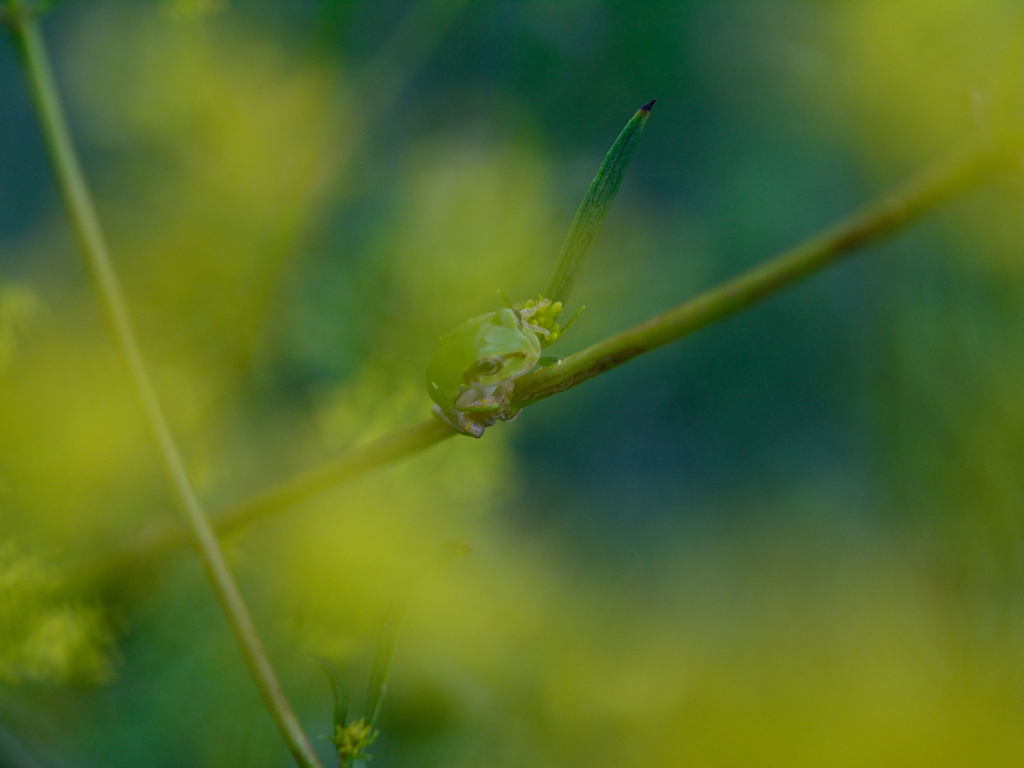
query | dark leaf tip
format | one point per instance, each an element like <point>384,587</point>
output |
<point>648,106</point>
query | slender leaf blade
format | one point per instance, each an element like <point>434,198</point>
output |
<point>381,665</point>
<point>595,204</point>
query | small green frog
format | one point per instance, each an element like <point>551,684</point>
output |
<point>472,375</point>
<point>473,371</point>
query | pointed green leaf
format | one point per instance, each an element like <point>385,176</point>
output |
<point>381,665</point>
<point>595,205</point>
<point>338,691</point>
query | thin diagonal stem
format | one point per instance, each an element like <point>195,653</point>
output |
<point>937,182</point>
<point>164,539</point>
<point>105,281</point>
<point>873,222</point>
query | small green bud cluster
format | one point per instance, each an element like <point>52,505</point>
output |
<point>352,739</point>
<point>541,316</point>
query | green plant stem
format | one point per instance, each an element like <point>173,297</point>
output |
<point>163,539</point>
<point>944,178</point>
<point>105,281</point>
<point>871,223</point>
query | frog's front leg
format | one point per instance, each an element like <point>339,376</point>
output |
<point>494,400</point>
<point>506,412</point>
<point>479,406</point>
<point>483,398</point>
<point>466,423</point>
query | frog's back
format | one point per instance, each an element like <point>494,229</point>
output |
<point>455,353</point>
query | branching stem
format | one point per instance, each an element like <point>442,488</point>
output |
<point>949,175</point>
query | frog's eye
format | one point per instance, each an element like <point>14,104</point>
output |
<point>487,366</point>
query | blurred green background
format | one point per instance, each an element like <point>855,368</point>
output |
<point>794,539</point>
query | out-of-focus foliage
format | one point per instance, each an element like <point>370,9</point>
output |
<point>943,64</point>
<point>18,308</point>
<point>793,540</point>
<point>45,634</point>
<point>190,9</point>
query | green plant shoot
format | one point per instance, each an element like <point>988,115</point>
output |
<point>472,373</point>
<point>594,206</point>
